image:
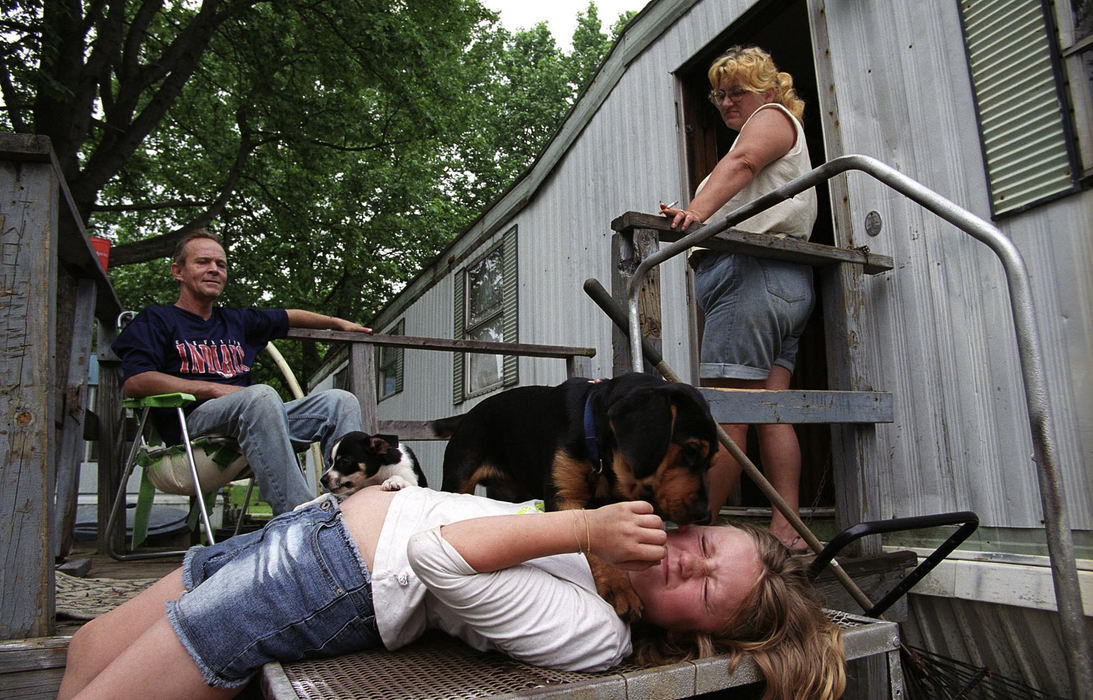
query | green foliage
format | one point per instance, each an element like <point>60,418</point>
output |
<point>337,147</point>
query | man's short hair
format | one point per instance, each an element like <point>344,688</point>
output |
<point>179,256</point>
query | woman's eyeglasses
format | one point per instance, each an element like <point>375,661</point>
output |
<point>736,94</point>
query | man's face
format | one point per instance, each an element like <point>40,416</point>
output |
<point>205,270</point>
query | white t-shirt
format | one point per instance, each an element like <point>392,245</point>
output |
<point>793,217</point>
<point>544,612</point>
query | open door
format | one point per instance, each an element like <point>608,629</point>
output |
<point>782,29</point>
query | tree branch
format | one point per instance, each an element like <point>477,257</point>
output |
<point>160,246</point>
<point>149,206</point>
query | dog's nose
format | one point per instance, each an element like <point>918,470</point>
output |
<point>702,514</point>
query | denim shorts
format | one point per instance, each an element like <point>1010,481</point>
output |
<point>296,588</point>
<point>756,310</point>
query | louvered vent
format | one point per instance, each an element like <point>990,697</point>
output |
<point>1022,119</point>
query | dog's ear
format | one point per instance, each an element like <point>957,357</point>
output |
<point>391,440</point>
<point>378,445</point>
<point>693,416</point>
<point>642,423</point>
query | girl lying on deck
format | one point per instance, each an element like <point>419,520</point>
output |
<point>380,568</point>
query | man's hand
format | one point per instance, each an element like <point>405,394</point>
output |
<point>212,390</point>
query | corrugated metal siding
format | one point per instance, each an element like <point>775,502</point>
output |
<point>1021,115</point>
<point>1018,644</point>
<point>937,330</point>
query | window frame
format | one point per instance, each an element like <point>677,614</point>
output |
<point>507,314</point>
<point>996,157</point>
<point>397,355</point>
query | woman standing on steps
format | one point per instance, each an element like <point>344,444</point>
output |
<point>755,308</point>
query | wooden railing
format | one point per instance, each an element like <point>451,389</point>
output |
<point>362,379</point>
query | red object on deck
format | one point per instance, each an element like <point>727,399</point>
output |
<point>102,249</point>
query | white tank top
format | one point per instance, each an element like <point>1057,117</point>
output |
<point>792,217</point>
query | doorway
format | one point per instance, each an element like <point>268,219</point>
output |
<point>782,29</point>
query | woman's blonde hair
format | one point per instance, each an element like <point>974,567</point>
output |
<point>781,625</point>
<point>753,69</point>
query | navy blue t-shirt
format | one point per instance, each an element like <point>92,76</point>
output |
<point>174,341</point>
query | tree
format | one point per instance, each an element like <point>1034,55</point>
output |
<point>336,146</point>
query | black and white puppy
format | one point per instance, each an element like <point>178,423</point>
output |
<point>359,459</point>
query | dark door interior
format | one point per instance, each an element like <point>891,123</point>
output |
<point>782,29</point>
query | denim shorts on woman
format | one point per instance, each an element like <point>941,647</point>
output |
<point>296,588</point>
<point>756,310</point>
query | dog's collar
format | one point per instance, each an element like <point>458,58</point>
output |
<point>590,435</point>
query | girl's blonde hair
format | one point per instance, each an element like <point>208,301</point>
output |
<point>781,625</point>
<point>753,69</point>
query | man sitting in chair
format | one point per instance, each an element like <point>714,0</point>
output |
<point>197,348</point>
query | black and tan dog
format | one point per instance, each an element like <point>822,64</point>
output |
<point>587,443</point>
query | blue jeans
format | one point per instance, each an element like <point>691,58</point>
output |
<point>270,432</point>
<point>295,589</point>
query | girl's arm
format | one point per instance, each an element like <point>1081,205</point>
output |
<point>628,535</point>
<point>547,614</point>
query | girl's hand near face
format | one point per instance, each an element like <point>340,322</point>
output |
<point>627,535</point>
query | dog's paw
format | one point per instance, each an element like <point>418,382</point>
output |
<point>613,585</point>
<point>396,483</point>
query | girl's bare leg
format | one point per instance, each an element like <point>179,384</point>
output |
<point>156,665</point>
<point>101,640</point>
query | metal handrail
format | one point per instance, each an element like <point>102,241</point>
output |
<point>1060,543</point>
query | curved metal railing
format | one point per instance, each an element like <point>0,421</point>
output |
<point>1059,540</point>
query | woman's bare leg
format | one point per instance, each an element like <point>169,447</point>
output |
<point>778,447</point>
<point>781,454</point>
<point>723,476</point>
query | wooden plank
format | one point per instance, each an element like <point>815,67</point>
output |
<point>407,429</point>
<point>744,406</point>
<point>32,654</point>
<point>477,346</point>
<point>795,406</point>
<point>74,397</point>
<point>32,668</point>
<point>760,245</point>
<point>28,278</point>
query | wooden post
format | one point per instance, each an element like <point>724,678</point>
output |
<point>73,401</point>
<point>362,383</point>
<point>28,278</point>
<point>111,435</point>
<point>841,289</point>
<point>50,281</point>
<point>627,251</point>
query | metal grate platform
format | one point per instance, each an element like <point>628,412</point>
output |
<point>437,666</point>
